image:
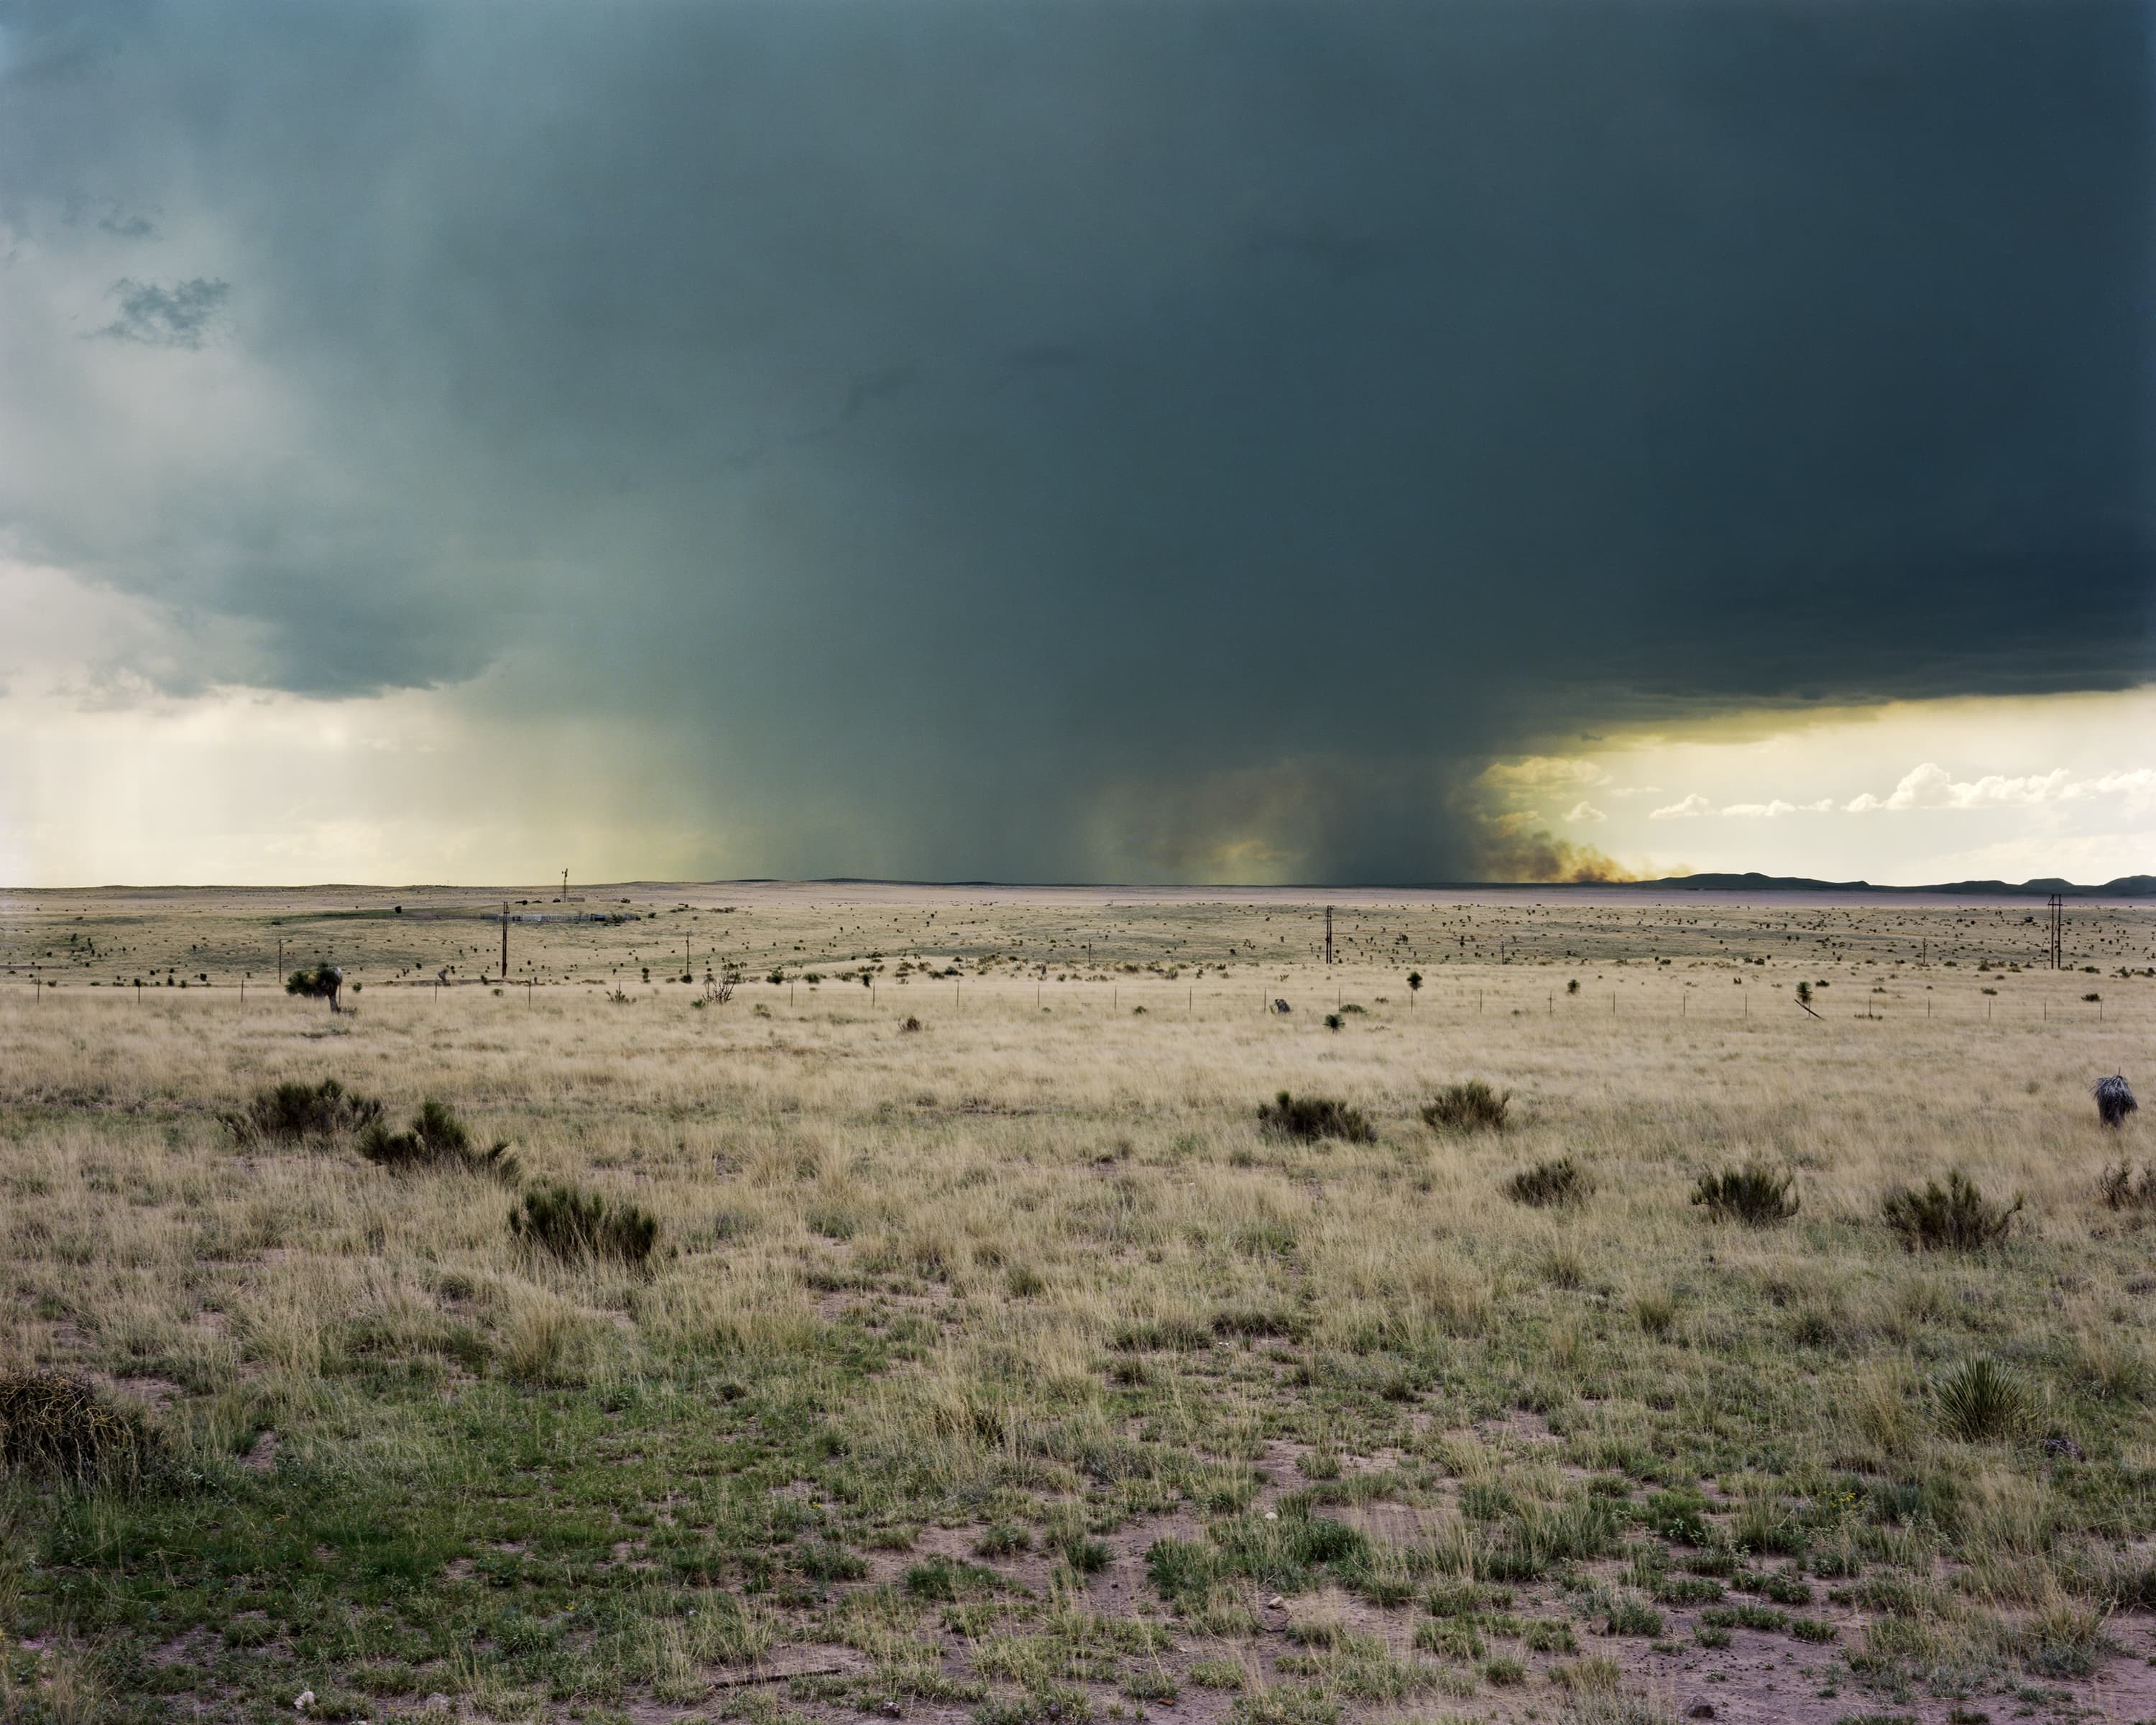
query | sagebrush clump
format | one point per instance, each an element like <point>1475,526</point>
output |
<point>2120,1191</point>
<point>1955,1217</point>
<point>1549,1184</point>
<point>291,1113</point>
<point>1757,1195</point>
<point>437,1140</point>
<point>1471,1107</point>
<point>1311,1118</point>
<point>577,1226</point>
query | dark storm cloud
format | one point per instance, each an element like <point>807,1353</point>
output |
<point>1046,439</point>
<point>179,315</point>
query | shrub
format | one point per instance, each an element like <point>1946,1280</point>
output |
<point>909,1023</point>
<point>1313,1117</point>
<point>437,1140</point>
<point>1956,1217</point>
<point>320,982</point>
<point>291,1113</point>
<point>2120,1191</point>
<point>1549,1184</point>
<point>55,1424</point>
<point>1469,1108</point>
<point>575,1225</point>
<point>1332,1021</point>
<point>1979,1399</point>
<point>1754,1194</point>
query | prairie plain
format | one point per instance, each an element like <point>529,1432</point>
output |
<point>989,1357</point>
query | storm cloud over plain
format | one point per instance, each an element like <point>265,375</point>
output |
<point>1058,441</point>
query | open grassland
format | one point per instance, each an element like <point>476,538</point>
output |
<point>1011,1368</point>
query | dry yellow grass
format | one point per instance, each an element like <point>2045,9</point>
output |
<point>1035,1263</point>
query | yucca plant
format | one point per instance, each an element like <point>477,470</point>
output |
<point>1980,1400</point>
<point>320,981</point>
<point>1755,1194</point>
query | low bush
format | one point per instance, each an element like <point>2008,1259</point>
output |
<point>1471,1107</point>
<point>1548,1185</point>
<point>1956,1217</point>
<point>55,1424</point>
<point>292,1113</point>
<point>1980,1400</point>
<point>576,1225</point>
<point>1311,1118</point>
<point>2121,1191</point>
<point>437,1140</point>
<point>1755,1194</point>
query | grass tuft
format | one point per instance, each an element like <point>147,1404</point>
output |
<point>577,1226</point>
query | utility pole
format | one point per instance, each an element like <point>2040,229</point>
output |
<point>505,941</point>
<point>1328,934</point>
<point>2057,907</point>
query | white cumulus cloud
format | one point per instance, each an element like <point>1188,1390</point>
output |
<point>1694,804</point>
<point>1585,812</point>
<point>1931,786</point>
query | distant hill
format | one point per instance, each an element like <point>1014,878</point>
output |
<point>2126,886</point>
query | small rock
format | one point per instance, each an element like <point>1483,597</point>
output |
<point>2059,1447</point>
<point>1272,1515</point>
<point>306,1700</point>
<point>437,1702</point>
<point>1704,1710</point>
<point>890,1709</point>
<point>1275,1603</point>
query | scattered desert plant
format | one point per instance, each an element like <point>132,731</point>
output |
<point>320,982</point>
<point>2114,1099</point>
<point>1469,1108</point>
<point>1956,1217</point>
<point>1313,1117</point>
<point>55,1424</point>
<point>1755,1194</point>
<point>1549,1184</point>
<point>437,1140</point>
<point>2121,1191</point>
<point>1333,1021</point>
<point>292,1112</point>
<point>909,1023</point>
<point>1980,1400</point>
<point>576,1225</point>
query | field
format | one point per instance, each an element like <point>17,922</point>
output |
<point>994,1359</point>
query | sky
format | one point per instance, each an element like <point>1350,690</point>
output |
<point>1193,440</point>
